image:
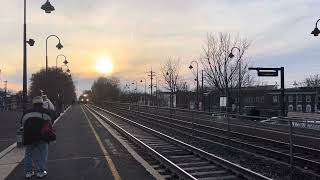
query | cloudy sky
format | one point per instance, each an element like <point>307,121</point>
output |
<point>140,34</point>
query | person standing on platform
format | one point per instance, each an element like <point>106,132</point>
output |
<point>38,132</point>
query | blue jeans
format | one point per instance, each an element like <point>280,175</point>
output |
<point>39,153</point>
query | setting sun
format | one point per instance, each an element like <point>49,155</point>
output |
<point>104,65</point>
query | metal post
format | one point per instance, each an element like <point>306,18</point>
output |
<point>291,148</point>
<point>47,48</point>
<point>151,78</point>
<point>5,95</point>
<point>282,93</point>
<point>226,90</point>
<point>197,88</point>
<point>192,119</point>
<point>226,93</point>
<point>24,91</point>
<point>47,55</point>
<point>239,89</point>
<point>145,91</point>
<point>202,91</point>
<point>157,93</point>
<point>5,88</point>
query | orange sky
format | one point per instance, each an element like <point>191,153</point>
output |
<point>141,34</point>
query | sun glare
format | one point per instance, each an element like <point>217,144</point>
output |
<point>104,65</point>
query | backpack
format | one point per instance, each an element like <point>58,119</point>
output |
<point>47,132</point>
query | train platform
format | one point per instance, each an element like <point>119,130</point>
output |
<point>84,150</point>
<point>10,122</point>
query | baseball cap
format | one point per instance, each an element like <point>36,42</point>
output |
<point>37,100</point>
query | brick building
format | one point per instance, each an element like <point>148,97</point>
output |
<point>266,99</point>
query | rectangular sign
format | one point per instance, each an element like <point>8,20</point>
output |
<point>267,73</point>
<point>223,101</point>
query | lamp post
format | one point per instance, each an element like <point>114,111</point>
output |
<point>59,46</point>
<point>231,55</point>
<point>5,93</point>
<point>197,79</point>
<point>156,86</point>
<point>134,82</point>
<point>65,62</point>
<point>48,8</point>
<point>68,71</point>
<point>171,85</point>
<point>145,89</point>
<point>316,31</point>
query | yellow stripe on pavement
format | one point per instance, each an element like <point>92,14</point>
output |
<point>113,169</point>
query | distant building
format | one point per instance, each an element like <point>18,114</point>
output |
<point>9,101</point>
<point>303,99</point>
<point>265,99</point>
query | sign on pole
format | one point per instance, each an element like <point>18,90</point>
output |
<point>268,73</point>
<point>223,101</point>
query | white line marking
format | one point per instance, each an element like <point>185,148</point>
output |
<point>56,121</point>
<point>134,154</point>
<point>107,157</point>
<point>7,150</point>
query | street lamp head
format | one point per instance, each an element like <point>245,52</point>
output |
<point>31,42</point>
<point>65,62</point>
<point>190,67</point>
<point>316,31</point>
<point>59,46</point>
<point>47,7</point>
<point>140,80</point>
<point>231,55</point>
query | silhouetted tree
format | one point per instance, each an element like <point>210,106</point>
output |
<point>55,83</point>
<point>105,89</point>
<point>222,72</point>
<point>170,71</point>
<point>312,81</point>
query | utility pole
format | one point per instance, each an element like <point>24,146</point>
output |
<point>5,93</point>
<point>5,88</point>
<point>283,108</point>
<point>202,90</point>
<point>151,84</point>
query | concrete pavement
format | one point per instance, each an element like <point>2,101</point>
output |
<point>77,154</point>
<point>10,122</point>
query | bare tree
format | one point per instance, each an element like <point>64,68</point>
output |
<point>170,71</point>
<point>221,71</point>
<point>312,81</point>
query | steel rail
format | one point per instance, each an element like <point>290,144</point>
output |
<point>228,165</point>
<point>234,133</point>
<point>180,172</point>
<point>272,127</point>
<point>311,162</point>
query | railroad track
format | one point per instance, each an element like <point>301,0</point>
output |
<point>304,157</point>
<point>184,161</point>
<point>207,119</point>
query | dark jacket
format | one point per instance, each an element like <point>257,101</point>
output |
<point>33,121</point>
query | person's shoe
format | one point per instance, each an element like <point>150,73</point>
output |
<point>29,174</point>
<point>41,174</point>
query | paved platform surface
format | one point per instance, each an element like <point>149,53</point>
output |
<point>76,155</point>
<point>10,122</point>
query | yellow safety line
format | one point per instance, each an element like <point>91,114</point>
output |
<point>113,169</point>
